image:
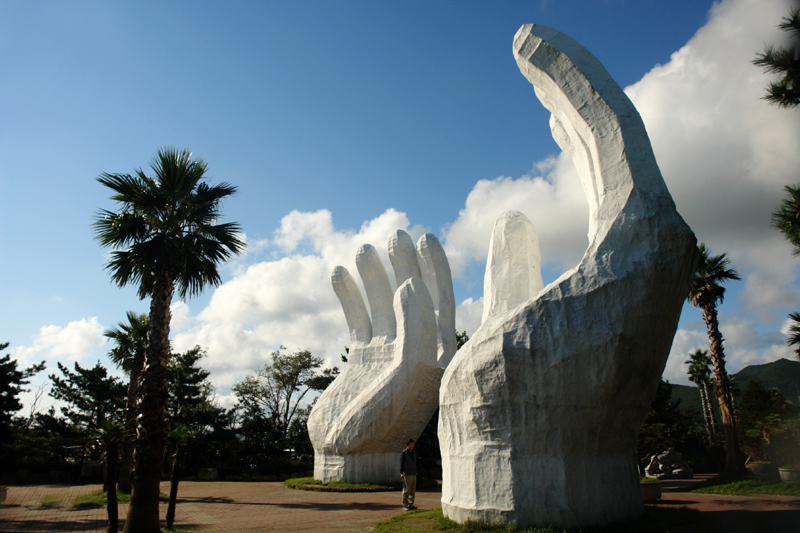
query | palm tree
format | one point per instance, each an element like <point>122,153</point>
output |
<point>165,238</point>
<point>785,91</point>
<point>109,434</point>
<point>706,290</point>
<point>786,218</point>
<point>794,333</point>
<point>181,436</point>
<point>699,374</point>
<point>130,341</point>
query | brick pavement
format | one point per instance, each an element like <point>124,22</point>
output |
<point>224,507</point>
<point>229,507</point>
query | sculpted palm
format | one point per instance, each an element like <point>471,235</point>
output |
<point>165,238</point>
<point>130,343</point>
<point>699,374</point>
<point>705,292</point>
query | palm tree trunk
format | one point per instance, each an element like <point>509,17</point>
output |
<point>149,454</point>
<point>711,414</point>
<point>126,462</point>
<point>733,406</point>
<point>111,487</point>
<point>173,484</point>
<point>704,401</point>
<point>732,462</point>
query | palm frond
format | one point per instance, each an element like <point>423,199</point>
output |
<point>786,218</point>
<point>167,225</point>
<point>711,272</point>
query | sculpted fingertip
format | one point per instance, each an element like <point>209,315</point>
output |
<point>365,250</point>
<point>339,274</point>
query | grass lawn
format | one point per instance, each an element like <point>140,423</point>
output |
<point>743,486</point>
<point>98,499</point>
<point>309,483</point>
<point>654,520</point>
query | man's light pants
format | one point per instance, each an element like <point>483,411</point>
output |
<point>409,490</point>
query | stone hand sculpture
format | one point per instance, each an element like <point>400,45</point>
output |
<point>390,387</point>
<point>540,410</point>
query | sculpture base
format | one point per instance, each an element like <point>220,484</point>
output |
<point>378,468</point>
<point>545,491</point>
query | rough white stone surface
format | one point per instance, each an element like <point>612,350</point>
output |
<point>390,387</point>
<point>541,408</point>
<point>514,267</point>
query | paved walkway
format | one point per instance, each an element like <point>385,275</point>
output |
<point>215,506</point>
<point>270,507</point>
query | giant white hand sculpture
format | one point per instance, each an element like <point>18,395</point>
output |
<point>539,411</point>
<point>390,387</point>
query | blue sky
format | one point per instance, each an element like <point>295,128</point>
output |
<point>340,122</point>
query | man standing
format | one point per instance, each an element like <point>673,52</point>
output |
<point>408,471</point>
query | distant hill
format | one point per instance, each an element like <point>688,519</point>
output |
<point>782,374</point>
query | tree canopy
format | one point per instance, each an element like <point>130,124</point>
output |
<point>278,389</point>
<point>12,383</point>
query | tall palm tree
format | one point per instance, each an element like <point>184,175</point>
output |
<point>130,343</point>
<point>165,238</point>
<point>706,290</point>
<point>787,219</point>
<point>794,333</point>
<point>699,374</point>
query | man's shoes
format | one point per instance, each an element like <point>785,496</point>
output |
<point>412,507</point>
<point>406,508</point>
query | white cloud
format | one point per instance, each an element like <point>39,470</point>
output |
<point>468,315</point>
<point>554,203</point>
<point>72,342</point>
<point>180,316</point>
<point>685,341</point>
<point>724,152</point>
<point>288,300</point>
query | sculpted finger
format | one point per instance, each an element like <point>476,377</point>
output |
<point>438,269</point>
<point>379,291</point>
<point>403,256</point>
<point>416,324</point>
<point>355,312</point>
<point>514,267</point>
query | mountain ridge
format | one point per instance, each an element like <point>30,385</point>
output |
<point>783,374</point>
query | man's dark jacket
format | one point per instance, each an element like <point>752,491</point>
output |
<point>408,463</point>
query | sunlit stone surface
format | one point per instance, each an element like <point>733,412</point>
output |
<point>390,386</point>
<point>540,409</point>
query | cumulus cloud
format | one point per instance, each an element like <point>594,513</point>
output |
<point>724,152</point>
<point>554,202</point>
<point>468,315</point>
<point>72,342</point>
<point>288,300</point>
